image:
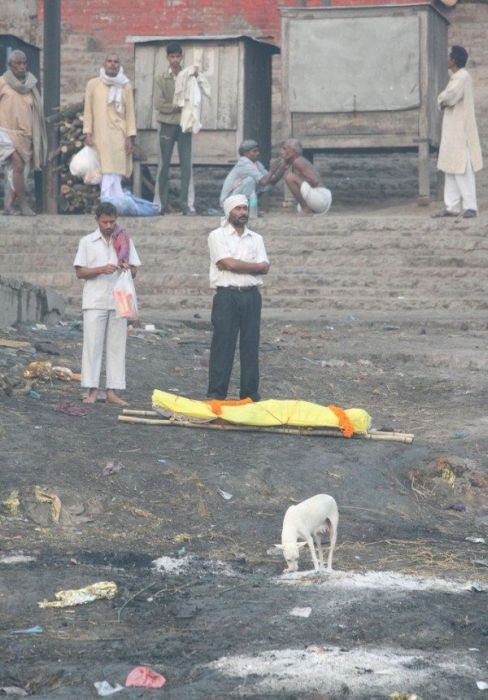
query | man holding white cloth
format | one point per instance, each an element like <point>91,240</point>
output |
<point>238,261</point>
<point>459,150</point>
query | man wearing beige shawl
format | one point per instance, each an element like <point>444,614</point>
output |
<point>459,151</point>
<point>22,129</point>
<point>109,125</point>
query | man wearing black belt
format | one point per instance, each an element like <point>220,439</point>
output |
<point>237,262</point>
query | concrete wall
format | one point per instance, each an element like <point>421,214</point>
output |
<point>21,302</point>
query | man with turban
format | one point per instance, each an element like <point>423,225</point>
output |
<point>238,261</point>
<point>249,176</point>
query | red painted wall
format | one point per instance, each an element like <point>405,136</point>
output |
<point>110,21</point>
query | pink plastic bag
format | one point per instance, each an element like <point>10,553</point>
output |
<point>144,677</point>
<point>125,297</point>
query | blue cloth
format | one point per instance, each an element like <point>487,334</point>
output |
<point>130,205</point>
<point>243,178</point>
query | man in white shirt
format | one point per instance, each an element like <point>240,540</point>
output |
<point>100,257</point>
<point>238,261</point>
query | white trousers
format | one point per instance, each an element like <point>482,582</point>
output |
<point>460,190</point>
<point>102,328</point>
<point>111,186</point>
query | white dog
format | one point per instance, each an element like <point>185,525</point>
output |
<point>308,520</point>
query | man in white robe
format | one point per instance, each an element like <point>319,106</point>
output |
<point>109,125</point>
<point>459,150</point>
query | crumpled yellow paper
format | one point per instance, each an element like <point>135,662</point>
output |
<point>42,495</point>
<point>96,591</point>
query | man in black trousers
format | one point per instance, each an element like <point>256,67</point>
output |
<point>238,261</point>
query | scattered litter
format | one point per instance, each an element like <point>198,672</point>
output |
<point>16,559</point>
<point>392,328</point>
<point>482,685</point>
<point>29,630</point>
<point>39,327</point>
<point>480,562</point>
<point>65,374</point>
<point>44,496</point>
<point>38,370</point>
<point>34,394</point>
<point>112,468</point>
<point>473,649</point>
<point>72,409</point>
<point>182,537</point>
<point>102,590</point>
<point>144,677</point>
<point>476,540</point>
<point>104,688</point>
<point>12,503</point>
<point>225,494</point>
<point>478,588</point>
<point>13,690</point>
<point>458,507</point>
<point>300,612</point>
<point>162,461</point>
<point>402,695</point>
<point>150,327</point>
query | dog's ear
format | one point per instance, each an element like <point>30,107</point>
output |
<point>301,544</point>
<point>279,546</point>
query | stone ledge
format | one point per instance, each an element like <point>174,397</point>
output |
<point>21,302</point>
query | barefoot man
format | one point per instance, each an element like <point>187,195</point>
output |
<point>23,138</point>
<point>100,256</point>
<point>303,181</point>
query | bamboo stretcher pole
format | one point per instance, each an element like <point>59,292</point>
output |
<point>320,432</point>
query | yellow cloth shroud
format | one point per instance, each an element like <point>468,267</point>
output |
<point>273,412</point>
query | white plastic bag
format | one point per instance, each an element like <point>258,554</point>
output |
<point>85,164</point>
<point>125,297</point>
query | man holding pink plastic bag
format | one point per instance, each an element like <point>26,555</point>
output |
<point>105,257</point>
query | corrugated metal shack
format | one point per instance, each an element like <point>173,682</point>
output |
<point>365,78</point>
<point>238,68</point>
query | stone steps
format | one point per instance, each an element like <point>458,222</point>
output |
<point>338,262</point>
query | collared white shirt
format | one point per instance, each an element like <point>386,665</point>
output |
<point>94,251</point>
<point>225,242</point>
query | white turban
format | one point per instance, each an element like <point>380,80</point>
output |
<point>235,200</point>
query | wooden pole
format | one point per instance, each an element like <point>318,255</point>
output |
<point>51,94</point>
<point>304,432</point>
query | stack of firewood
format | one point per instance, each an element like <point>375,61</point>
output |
<point>74,196</point>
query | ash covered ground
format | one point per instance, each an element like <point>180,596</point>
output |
<point>406,607</point>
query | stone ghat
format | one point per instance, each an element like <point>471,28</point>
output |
<point>339,262</point>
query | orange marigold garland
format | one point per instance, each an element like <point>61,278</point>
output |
<point>344,422</point>
<point>216,404</point>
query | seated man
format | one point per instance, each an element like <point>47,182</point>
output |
<point>303,181</point>
<point>249,176</point>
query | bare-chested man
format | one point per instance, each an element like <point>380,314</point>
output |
<point>303,181</point>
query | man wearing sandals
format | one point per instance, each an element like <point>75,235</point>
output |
<point>459,151</point>
<point>22,130</point>
<point>100,257</point>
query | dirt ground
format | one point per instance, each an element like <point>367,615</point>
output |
<point>405,609</point>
